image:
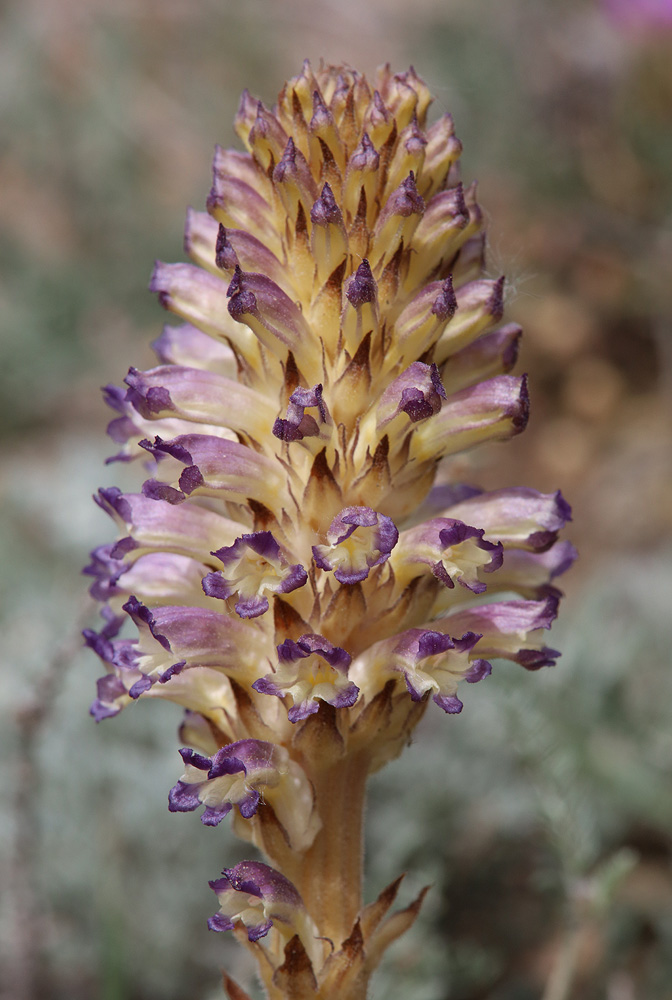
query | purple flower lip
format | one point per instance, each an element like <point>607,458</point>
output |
<point>418,392</point>
<point>143,617</point>
<point>520,412</point>
<point>109,690</point>
<point>299,424</point>
<point>365,156</point>
<point>262,543</point>
<point>325,210</point>
<point>405,201</point>
<point>225,255</point>
<point>445,304</point>
<point>140,686</point>
<point>154,490</point>
<point>450,704</point>
<point>496,301</point>
<point>478,671</point>
<point>106,567</point>
<point>566,555</point>
<point>120,430</point>
<point>290,651</point>
<point>535,659</point>
<point>362,286</point>
<point>242,299</point>
<point>147,400</point>
<point>114,397</point>
<point>322,116</point>
<point>159,448</point>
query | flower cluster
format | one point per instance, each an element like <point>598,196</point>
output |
<point>292,575</point>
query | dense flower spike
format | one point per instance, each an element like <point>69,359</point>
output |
<point>288,571</point>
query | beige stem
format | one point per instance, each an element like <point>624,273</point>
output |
<point>330,877</point>
<point>559,984</point>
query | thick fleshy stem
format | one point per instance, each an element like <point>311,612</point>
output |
<point>330,879</point>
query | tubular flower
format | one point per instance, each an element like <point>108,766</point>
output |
<point>260,567</point>
<point>289,571</point>
<point>323,677</point>
<point>260,898</point>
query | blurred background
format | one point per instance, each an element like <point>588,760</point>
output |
<point>543,814</point>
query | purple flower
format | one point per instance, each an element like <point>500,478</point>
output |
<point>640,15</point>
<point>310,670</point>
<point>253,566</point>
<point>510,629</point>
<point>259,897</point>
<point>243,774</point>
<point>198,396</point>
<point>219,782</point>
<point>452,551</point>
<point>418,392</point>
<point>531,573</point>
<point>172,642</point>
<point>518,517</point>
<point>430,662</point>
<point>298,424</point>
<point>358,539</point>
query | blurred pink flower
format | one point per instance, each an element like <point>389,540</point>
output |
<point>640,15</point>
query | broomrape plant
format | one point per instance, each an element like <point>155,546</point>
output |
<point>295,578</point>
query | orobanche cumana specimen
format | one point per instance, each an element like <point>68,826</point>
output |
<point>295,573</point>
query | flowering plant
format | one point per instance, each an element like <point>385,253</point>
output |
<point>296,578</point>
